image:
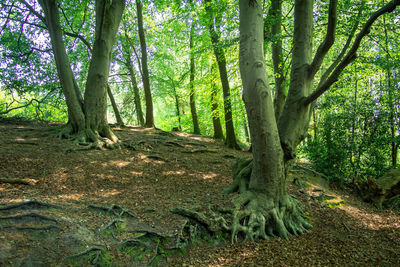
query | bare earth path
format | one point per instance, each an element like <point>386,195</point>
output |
<point>110,208</point>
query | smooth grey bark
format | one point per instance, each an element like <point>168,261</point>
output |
<point>219,53</point>
<point>293,122</point>
<point>218,134</point>
<point>87,119</point>
<point>114,106</point>
<point>192,98</point>
<point>145,71</point>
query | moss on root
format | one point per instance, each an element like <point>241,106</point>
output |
<point>257,216</point>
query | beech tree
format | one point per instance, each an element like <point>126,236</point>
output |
<point>145,71</point>
<point>214,23</point>
<point>264,208</point>
<point>87,119</point>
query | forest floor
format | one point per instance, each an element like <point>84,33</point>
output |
<point>112,207</point>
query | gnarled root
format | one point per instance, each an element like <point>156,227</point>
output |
<point>258,216</point>
<point>241,170</point>
<point>90,139</point>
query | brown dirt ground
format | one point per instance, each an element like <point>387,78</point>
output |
<point>171,169</point>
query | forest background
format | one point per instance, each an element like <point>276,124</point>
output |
<point>354,129</point>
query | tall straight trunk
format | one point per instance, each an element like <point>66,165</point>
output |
<point>145,70</point>
<point>138,104</point>
<point>108,18</point>
<point>277,57</point>
<point>196,128</point>
<point>76,116</point>
<point>114,106</point>
<point>219,53</point>
<point>218,134</point>
<point>294,120</point>
<point>354,119</point>
<point>177,107</point>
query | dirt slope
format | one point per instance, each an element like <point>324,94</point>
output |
<point>110,208</point>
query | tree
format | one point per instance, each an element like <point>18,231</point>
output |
<point>87,116</point>
<point>264,208</point>
<point>145,70</point>
<point>196,128</point>
<point>114,106</point>
<point>218,134</point>
<point>213,27</point>
<point>132,75</point>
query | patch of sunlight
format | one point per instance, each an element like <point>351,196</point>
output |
<point>14,200</point>
<point>2,189</point>
<point>71,196</point>
<point>135,173</point>
<point>209,176</point>
<point>19,139</point>
<point>107,193</point>
<point>368,220</point>
<point>178,172</point>
<point>120,163</point>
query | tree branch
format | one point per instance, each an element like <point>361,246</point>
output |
<point>324,47</point>
<point>344,49</point>
<point>39,16</point>
<point>351,55</point>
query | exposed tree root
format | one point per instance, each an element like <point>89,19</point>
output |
<point>134,243</point>
<point>16,181</point>
<point>97,254</point>
<point>156,158</point>
<point>257,216</point>
<point>21,143</point>
<point>241,170</point>
<point>90,138</point>
<point>200,151</point>
<point>32,228</point>
<point>114,210</point>
<point>29,217</point>
<point>29,204</point>
<point>197,217</point>
<point>171,143</point>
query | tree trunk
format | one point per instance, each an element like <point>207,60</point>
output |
<point>145,71</point>
<point>391,102</point>
<point>108,18</point>
<point>177,106</point>
<point>87,120</point>
<point>277,57</point>
<point>263,208</point>
<point>114,106</point>
<point>196,128</point>
<point>76,116</point>
<point>218,134</point>
<point>230,140</point>
<point>294,120</point>
<point>138,104</point>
